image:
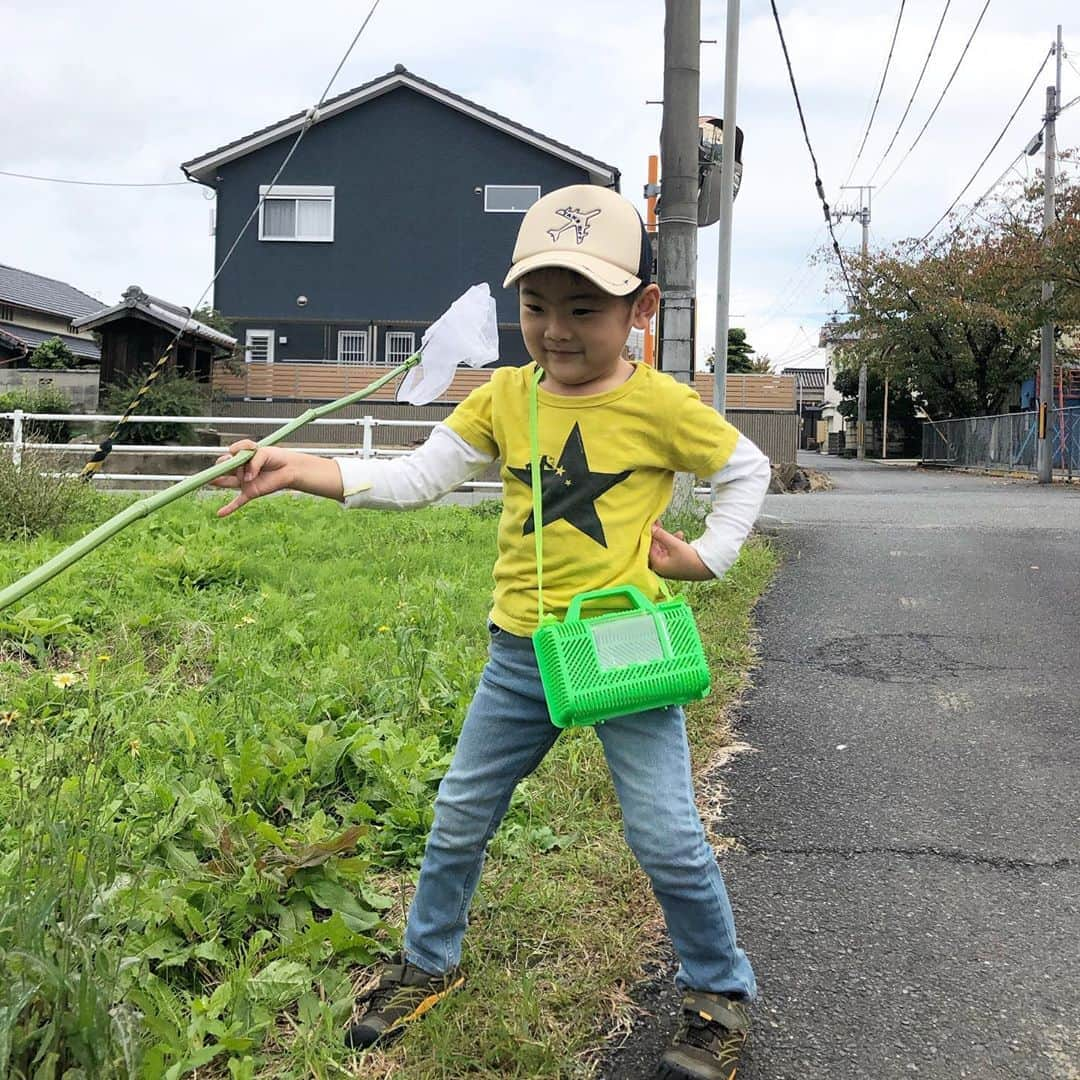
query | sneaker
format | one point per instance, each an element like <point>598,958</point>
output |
<point>710,1039</point>
<point>403,993</point>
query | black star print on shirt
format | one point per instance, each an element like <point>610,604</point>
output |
<point>570,489</point>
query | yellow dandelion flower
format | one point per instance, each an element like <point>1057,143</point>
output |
<point>134,747</point>
<point>104,658</point>
<point>65,679</point>
<point>8,717</point>
<point>384,630</point>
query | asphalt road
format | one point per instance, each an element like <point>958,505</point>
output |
<point>908,878</point>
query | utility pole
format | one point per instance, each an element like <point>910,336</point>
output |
<point>863,216</point>
<point>679,198</point>
<point>727,209</point>
<point>1046,352</point>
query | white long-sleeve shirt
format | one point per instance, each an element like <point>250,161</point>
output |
<point>446,461</point>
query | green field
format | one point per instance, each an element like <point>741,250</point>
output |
<point>220,742</point>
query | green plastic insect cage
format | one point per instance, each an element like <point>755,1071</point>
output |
<point>620,662</point>
<point>646,656</point>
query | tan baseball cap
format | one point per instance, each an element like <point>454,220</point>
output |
<point>591,230</point>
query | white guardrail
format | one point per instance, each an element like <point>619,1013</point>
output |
<point>366,448</point>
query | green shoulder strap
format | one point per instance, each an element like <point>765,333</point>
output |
<point>537,490</point>
<point>537,497</point>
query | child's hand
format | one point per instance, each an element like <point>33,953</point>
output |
<point>671,556</point>
<point>269,470</point>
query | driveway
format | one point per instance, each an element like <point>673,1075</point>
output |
<point>907,881</point>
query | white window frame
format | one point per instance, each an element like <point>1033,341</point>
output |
<point>296,192</point>
<point>397,337</point>
<point>249,335</point>
<point>361,336</point>
<point>504,187</point>
<point>7,313</point>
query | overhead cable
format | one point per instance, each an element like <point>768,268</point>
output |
<point>310,117</point>
<point>1008,124</point>
<point>941,98</point>
<point>91,183</point>
<point>813,157</point>
<point>918,83</point>
<point>881,87</point>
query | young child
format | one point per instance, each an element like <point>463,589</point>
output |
<point>612,434</point>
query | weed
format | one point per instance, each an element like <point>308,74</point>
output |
<point>212,828</point>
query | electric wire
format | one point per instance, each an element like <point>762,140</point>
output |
<point>809,146</point>
<point>1008,124</point>
<point>105,447</point>
<point>993,187</point>
<point>918,83</point>
<point>941,98</point>
<point>91,183</point>
<point>877,100</point>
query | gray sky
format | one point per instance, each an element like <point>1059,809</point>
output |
<point>125,91</point>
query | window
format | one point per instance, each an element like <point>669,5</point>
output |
<point>510,198</point>
<point>352,347</point>
<point>296,213</point>
<point>259,346</point>
<point>7,313</point>
<point>400,345</point>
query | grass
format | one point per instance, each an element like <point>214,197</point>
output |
<point>219,747</point>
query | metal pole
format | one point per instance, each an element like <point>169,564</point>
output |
<point>727,209</point>
<point>860,431</point>
<point>885,423</point>
<point>678,201</point>
<point>17,438</point>
<point>1046,352</point>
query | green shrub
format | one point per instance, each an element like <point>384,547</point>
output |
<point>170,394</point>
<point>53,354</point>
<point>44,399</point>
<point>32,501</point>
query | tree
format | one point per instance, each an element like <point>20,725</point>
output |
<point>213,318</point>
<point>52,354</point>
<point>957,325</point>
<point>740,356</point>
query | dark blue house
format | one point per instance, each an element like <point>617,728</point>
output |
<point>400,196</point>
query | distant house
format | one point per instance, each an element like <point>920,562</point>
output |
<point>809,401</point>
<point>400,196</point>
<point>34,308</point>
<point>136,332</point>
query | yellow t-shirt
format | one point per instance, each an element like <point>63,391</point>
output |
<point>607,463</point>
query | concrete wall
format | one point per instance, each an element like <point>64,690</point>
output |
<point>80,386</point>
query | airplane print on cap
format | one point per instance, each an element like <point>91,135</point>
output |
<point>578,220</point>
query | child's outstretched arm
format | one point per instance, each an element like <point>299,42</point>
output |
<point>404,483</point>
<point>740,486</point>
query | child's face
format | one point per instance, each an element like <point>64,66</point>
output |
<point>575,331</point>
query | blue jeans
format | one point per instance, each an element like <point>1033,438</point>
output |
<point>506,734</point>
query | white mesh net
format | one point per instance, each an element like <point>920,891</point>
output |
<point>467,333</point>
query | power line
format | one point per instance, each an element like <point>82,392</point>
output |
<point>105,447</point>
<point>877,100</point>
<point>813,157</point>
<point>918,83</point>
<point>941,98</point>
<point>982,198</point>
<point>1008,124</point>
<point>91,183</point>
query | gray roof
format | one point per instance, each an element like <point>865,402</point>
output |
<point>202,167</point>
<point>83,348</point>
<point>807,378</point>
<point>137,303</point>
<point>44,294</point>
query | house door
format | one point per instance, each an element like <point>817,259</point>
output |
<point>259,360</point>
